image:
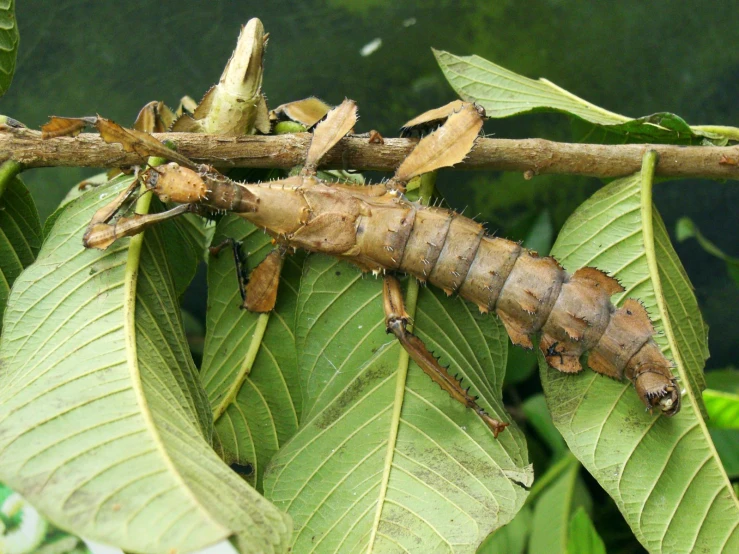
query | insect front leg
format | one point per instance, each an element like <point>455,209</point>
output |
<point>101,235</point>
<point>396,320</point>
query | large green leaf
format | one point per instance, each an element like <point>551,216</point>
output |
<point>384,460</point>
<point>504,93</point>
<point>20,234</point>
<point>9,40</point>
<point>257,406</point>
<point>103,424</point>
<point>663,473</point>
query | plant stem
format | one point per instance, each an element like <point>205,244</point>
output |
<point>530,156</point>
<point>8,170</point>
<point>552,474</point>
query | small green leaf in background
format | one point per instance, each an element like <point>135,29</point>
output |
<point>686,229</point>
<point>511,538</point>
<point>20,229</point>
<point>9,39</point>
<point>722,408</point>
<point>583,538</point>
<point>723,411</point>
<point>663,473</point>
<point>538,416</point>
<point>552,511</point>
<point>504,93</point>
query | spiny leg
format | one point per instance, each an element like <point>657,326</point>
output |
<point>106,213</point>
<point>102,235</point>
<point>396,320</point>
<point>238,262</point>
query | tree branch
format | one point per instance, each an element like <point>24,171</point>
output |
<point>531,156</point>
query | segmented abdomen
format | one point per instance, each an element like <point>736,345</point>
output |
<point>572,314</point>
<point>531,294</point>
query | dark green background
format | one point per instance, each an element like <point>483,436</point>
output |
<point>631,57</point>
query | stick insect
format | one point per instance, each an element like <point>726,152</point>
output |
<point>378,229</point>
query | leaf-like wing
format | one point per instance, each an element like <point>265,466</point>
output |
<point>103,425</point>
<point>258,407</point>
<point>382,464</point>
<point>663,473</point>
<point>20,235</point>
<point>504,93</point>
<point>9,40</point>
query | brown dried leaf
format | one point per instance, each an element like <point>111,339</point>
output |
<point>154,117</point>
<point>261,292</point>
<point>331,130</point>
<point>432,118</point>
<point>64,127</point>
<point>445,147</point>
<point>308,111</point>
<point>139,142</point>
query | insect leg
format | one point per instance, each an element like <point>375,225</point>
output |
<point>106,213</point>
<point>396,320</point>
<point>101,235</point>
<point>238,263</point>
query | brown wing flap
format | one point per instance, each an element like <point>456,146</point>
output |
<point>528,296</point>
<point>578,319</point>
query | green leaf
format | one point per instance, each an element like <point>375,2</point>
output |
<point>727,445</point>
<point>511,538</point>
<point>20,234</point>
<point>549,529</point>
<point>583,538</point>
<point>385,460</point>
<point>685,229</point>
<point>504,93</point>
<point>103,424</point>
<point>9,39</point>
<point>663,473</point>
<point>538,415</point>
<point>726,379</point>
<point>722,408</point>
<point>258,407</point>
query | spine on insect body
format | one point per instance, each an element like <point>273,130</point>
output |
<point>572,314</point>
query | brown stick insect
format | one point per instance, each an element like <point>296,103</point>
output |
<point>378,229</point>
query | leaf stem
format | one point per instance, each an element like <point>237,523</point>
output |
<point>246,365</point>
<point>425,192</point>
<point>551,475</point>
<point>8,170</point>
<point>649,163</point>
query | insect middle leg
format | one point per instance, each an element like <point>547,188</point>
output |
<point>396,320</point>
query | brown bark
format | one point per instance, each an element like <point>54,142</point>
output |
<point>530,156</point>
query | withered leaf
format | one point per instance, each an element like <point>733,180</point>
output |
<point>138,141</point>
<point>445,147</point>
<point>432,118</point>
<point>261,292</point>
<point>65,126</point>
<point>308,111</point>
<point>154,117</point>
<point>331,130</point>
